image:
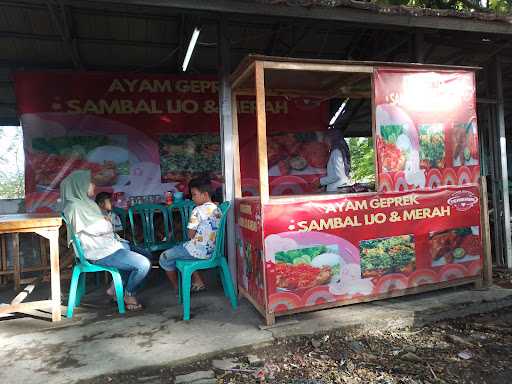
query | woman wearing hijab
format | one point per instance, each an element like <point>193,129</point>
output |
<point>339,165</point>
<point>100,245</point>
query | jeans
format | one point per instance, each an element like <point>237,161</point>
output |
<point>135,248</point>
<point>129,263</point>
<point>169,258</point>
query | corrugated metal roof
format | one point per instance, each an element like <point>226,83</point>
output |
<point>151,39</point>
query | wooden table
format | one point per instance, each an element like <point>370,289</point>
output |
<point>47,226</point>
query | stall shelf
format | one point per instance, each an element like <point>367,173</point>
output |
<point>421,230</point>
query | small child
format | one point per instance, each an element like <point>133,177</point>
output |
<point>104,201</point>
<point>202,229</point>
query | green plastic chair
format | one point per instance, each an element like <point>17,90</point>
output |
<point>81,267</point>
<point>123,216</point>
<point>185,208</point>
<point>218,260</point>
<point>147,213</point>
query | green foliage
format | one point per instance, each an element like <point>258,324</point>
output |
<point>501,7</point>
<point>363,159</point>
<point>12,187</point>
<point>12,173</point>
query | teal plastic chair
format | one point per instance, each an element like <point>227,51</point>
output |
<point>218,260</point>
<point>81,267</point>
<point>147,214</point>
<point>185,208</point>
<point>123,216</point>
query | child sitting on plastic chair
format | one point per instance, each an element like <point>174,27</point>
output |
<point>202,227</point>
<point>104,201</point>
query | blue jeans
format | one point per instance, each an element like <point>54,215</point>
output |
<point>169,258</point>
<point>129,263</point>
<point>135,248</point>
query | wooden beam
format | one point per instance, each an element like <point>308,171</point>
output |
<point>15,239</point>
<point>240,77</point>
<point>318,67</point>
<point>90,40</point>
<point>21,307</point>
<point>62,26</point>
<point>261,122</point>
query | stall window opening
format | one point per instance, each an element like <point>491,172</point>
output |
<point>322,145</point>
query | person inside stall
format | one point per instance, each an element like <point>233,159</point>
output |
<point>339,164</point>
<point>96,234</point>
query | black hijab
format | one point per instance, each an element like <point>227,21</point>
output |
<point>337,141</point>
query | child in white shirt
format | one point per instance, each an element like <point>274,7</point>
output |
<point>202,229</point>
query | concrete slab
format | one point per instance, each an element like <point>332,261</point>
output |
<point>99,341</point>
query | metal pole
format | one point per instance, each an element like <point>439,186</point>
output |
<point>419,49</point>
<point>226,134</point>
<point>504,166</point>
<point>494,170</point>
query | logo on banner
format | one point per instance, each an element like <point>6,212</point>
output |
<point>463,200</point>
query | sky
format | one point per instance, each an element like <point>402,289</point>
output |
<point>8,160</point>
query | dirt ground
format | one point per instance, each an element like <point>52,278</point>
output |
<point>472,350</point>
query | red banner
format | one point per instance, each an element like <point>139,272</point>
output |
<point>250,261</point>
<point>354,246</point>
<point>426,128</point>
<point>139,134</point>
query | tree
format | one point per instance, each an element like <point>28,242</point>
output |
<point>501,7</point>
<point>12,173</point>
<point>363,159</point>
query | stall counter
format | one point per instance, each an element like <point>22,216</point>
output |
<point>303,253</point>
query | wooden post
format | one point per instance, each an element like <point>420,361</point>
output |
<point>486,235</point>
<point>261,132</point>
<point>43,249</point>
<point>15,239</point>
<point>3,255</point>
<point>263,168</point>
<point>53,236</point>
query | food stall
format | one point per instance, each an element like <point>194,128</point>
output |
<point>421,229</point>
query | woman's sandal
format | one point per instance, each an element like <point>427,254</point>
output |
<point>136,306</point>
<point>133,307</point>
<point>196,288</point>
